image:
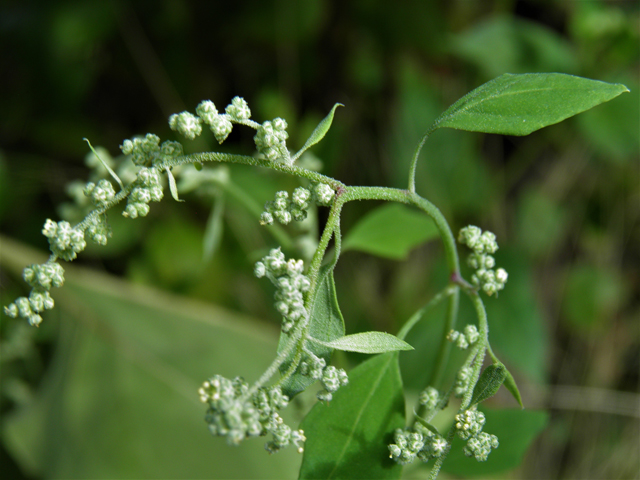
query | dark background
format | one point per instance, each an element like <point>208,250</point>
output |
<point>564,201</point>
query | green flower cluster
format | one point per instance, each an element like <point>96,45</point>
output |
<point>236,415</point>
<point>148,188</point>
<point>41,278</point>
<point>416,442</point>
<point>64,241</point>
<point>290,283</point>
<point>271,139</point>
<point>284,209</point>
<point>469,427</point>
<point>463,339</point>
<point>147,151</point>
<point>483,245</point>
<point>429,398</point>
<point>461,385</point>
<point>332,378</point>
<point>100,194</point>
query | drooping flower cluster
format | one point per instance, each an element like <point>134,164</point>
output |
<point>463,339</point>
<point>332,378</point>
<point>290,283</point>
<point>469,426</point>
<point>41,278</point>
<point>483,245</point>
<point>417,441</point>
<point>148,188</point>
<point>236,415</point>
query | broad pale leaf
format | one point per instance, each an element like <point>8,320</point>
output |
<point>326,324</point>
<point>348,437</point>
<point>521,104</point>
<point>390,231</point>
<point>120,396</point>
<point>319,132</point>
<point>367,342</point>
<point>489,383</point>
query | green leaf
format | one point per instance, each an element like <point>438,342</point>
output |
<point>521,104</point>
<point>367,342</point>
<point>510,384</point>
<point>390,231</point>
<point>348,437</point>
<point>516,430</point>
<point>326,324</point>
<point>104,164</point>
<point>319,132</point>
<point>172,185</point>
<point>489,383</point>
<point>119,398</point>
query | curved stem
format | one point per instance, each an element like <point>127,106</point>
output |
<point>412,198</point>
<point>416,317</point>
<point>256,162</point>
<point>414,163</point>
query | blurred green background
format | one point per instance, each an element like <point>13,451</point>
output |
<point>106,387</point>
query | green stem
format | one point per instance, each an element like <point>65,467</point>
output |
<point>412,198</point>
<point>414,163</point>
<point>256,162</point>
<point>416,317</point>
<point>445,345</point>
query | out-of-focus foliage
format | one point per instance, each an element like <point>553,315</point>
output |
<point>563,203</point>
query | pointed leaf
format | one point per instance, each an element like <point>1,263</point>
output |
<point>510,384</point>
<point>348,437</point>
<point>426,424</point>
<point>326,324</point>
<point>390,231</point>
<point>172,185</point>
<point>367,342</point>
<point>104,164</point>
<point>521,104</point>
<point>319,132</point>
<point>489,383</point>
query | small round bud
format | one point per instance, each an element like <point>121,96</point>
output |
<point>266,218</point>
<point>186,124</point>
<point>238,110</point>
<point>221,128</point>
<point>207,111</point>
